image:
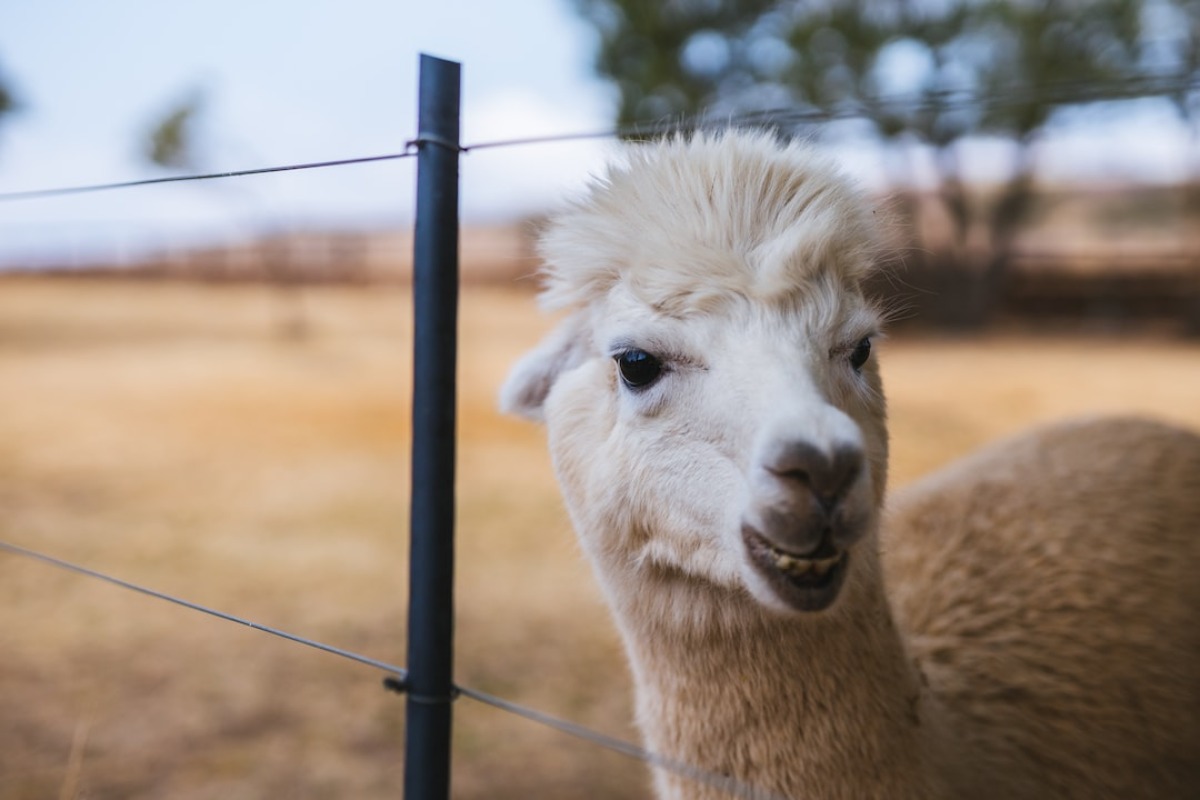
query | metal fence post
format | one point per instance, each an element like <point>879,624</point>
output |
<point>431,565</point>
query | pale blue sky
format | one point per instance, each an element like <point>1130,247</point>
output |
<point>285,82</point>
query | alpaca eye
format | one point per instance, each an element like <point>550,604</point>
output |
<point>860,354</point>
<point>638,368</point>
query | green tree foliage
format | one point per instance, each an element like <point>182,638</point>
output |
<point>8,100</point>
<point>172,141</point>
<point>924,73</point>
<point>681,57</point>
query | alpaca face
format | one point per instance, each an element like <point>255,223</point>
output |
<point>742,446</point>
<point>713,405</point>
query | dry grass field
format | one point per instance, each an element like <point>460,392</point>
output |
<point>173,435</point>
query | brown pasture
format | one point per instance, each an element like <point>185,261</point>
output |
<point>188,438</point>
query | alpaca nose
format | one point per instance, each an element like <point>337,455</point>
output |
<point>828,476</point>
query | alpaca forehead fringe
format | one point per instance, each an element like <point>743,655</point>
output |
<point>686,221</point>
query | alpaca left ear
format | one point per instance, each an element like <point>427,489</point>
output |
<point>524,392</point>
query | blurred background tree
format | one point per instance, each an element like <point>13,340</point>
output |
<point>173,140</point>
<point>8,100</point>
<point>925,76</point>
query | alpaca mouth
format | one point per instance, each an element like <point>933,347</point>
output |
<point>805,583</point>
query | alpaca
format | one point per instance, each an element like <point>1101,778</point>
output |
<point>1021,624</point>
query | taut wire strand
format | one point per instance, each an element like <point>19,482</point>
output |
<point>103,187</point>
<point>949,100</point>
<point>400,674</point>
<point>291,637</point>
<point>713,779</point>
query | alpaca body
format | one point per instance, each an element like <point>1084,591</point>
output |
<point>1047,587</point>
<point>718,427</point>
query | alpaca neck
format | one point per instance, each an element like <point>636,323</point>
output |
<point>827,705</point>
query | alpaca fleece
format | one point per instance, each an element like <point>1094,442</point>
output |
<point>1021,624</point>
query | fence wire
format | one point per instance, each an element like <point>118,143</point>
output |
<point>1060,94</point>
<point>725,783</point>
<point>948,101</point>
<point>212,612</point>
<point>398,675</point>
<point>34,194</point>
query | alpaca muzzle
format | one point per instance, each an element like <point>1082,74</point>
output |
<point>808,508</point>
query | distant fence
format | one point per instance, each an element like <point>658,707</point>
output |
<point>428,683</point>
<point>490,254</point>
<point>1057,276</point>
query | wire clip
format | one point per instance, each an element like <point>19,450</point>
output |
<point>400,685</point>
<point>396,683</point>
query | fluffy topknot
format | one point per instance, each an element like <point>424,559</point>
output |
<point>687,220</point>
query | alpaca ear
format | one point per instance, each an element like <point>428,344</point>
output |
<point>530,381</point>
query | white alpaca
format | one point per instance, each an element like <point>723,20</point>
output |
<point>1023,624</point>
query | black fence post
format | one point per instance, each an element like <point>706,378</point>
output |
<point>431,565</point>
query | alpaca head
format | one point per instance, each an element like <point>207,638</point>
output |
<point>714,410</point>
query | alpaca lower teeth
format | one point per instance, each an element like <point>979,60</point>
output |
<point>797,567</point>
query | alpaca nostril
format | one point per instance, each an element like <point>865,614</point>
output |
<point>827,476</point>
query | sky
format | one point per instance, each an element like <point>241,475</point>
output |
<point>281,82</point>
<point>293,82</point>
